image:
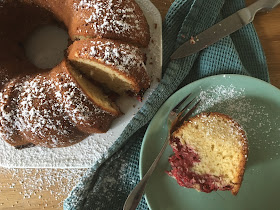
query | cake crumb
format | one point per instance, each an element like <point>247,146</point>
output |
<point>192,41</point>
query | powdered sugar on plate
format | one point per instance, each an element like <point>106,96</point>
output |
<point>251,112</point>
<point>255,105</point>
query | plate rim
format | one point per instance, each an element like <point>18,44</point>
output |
<point>227,76</point>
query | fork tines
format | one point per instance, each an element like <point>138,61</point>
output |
<point>180,111</point>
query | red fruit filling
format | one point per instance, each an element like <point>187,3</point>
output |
<point>182,161</point>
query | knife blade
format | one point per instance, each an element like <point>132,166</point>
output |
<point>223,28</point>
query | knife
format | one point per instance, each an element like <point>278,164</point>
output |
<point>223,28</point>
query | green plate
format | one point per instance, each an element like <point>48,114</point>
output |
<point>256,106</point>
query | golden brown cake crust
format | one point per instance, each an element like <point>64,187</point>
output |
<point>240,143</point>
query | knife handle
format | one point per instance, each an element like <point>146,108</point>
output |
<point>262,5</point>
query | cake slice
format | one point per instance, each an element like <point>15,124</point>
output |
<point>118,66</point>
<point>88,107</point>
<point>210,153</point>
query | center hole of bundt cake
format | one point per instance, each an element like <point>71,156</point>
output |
<point>46,45</point>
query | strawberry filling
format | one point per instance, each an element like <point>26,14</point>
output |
<point>182,162</point>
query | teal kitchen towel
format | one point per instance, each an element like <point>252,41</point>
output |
<point>107,184</point>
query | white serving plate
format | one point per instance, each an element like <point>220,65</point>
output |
<point>93,148</point>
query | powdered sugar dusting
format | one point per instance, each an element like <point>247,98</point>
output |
<point>74,101</point>
<point>7,116</point>
<point>39,112</point>
<point>123,56</point>
<point>51,186</point>
<point>111,16</point>
<point>209,126</point>
<point>253,114</point>
<point>217,95</point>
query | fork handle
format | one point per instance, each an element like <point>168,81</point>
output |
<point>136,194</point>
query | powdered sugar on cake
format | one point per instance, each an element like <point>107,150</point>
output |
<point>110,16</point>
<point>123,57</point>
<point>75,101</point>
<point>234,129</point>
<point>7,116</point>
<point>40,111</point>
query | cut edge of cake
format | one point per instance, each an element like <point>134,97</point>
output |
<point>94,93</point>
<point>118,66</point>
<point>89,108</point>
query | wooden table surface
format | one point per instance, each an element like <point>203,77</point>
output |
<point>18,190</point>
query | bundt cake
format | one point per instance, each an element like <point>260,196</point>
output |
<point>59,107</point>
<point>118,65</point>
<point>210,153</point>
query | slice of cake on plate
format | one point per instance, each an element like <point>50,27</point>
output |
<point>210,153</point>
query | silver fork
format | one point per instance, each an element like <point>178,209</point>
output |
<point>175,118</point>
